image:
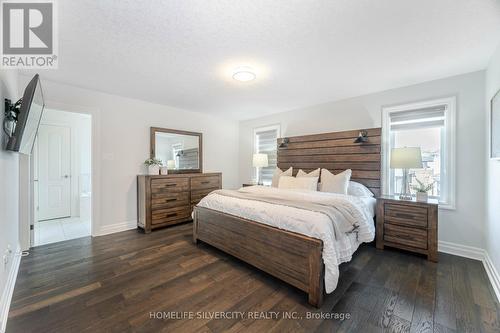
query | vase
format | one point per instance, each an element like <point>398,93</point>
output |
<point>153,170</point>
<point>163,170</point>
<point>422,197</point>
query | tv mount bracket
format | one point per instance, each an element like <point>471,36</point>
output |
<point>11,113</point>
<point>12,109</point>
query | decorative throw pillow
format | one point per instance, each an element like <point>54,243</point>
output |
<point>301,183</point>
<point>335,183</point>
<point>359,190</point>
<point>278,173</point>
<point>314,173</point>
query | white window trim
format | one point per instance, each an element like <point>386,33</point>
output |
<point>450,124</point>
<point>276,127</point>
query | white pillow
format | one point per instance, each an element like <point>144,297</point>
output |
<point>301,183</point>
<point>335,183</point>
<point>278,173</point>
<point>314,173</point>
<point>359,190</point>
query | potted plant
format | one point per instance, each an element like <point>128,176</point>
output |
<point>153,165</point>
<point>422,190</point>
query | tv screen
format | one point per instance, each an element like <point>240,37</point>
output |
<point>28,118</point>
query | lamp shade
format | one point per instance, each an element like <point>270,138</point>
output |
<point>260,160</point>
<point>171,164</point>
<point>406,158</point>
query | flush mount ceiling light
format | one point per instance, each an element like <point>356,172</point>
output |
<point>244,74</point>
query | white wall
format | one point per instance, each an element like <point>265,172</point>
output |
<point>492,170</point>
<point>9,196</point>
<point>123,140</point>
<point>80,127</point>
<point>465,224</point>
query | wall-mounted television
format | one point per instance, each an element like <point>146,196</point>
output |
<point>23,118</point>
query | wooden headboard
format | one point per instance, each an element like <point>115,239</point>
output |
<point>336,152</point>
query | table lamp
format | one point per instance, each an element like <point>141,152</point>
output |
<point>260,161</point>
<point>406,158</point>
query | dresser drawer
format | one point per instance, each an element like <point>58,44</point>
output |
<point>405,236</point>
<point>169,184</point>
<point>197,195</point>
<point>198,183</point>
<point>406,215</point>
<point>168,200</point>
<point>161,216</point>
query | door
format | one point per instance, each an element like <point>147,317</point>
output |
<point>34,188</point>
<point>54,165</point>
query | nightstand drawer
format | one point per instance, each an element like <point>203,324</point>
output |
<point>408,222</point>
<point>406,215</point>
<point>405,236</point>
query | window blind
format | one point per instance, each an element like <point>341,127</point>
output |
<point>265,143</point>
<point>419,118</point>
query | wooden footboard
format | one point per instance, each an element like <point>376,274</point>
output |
<point>291,257</point>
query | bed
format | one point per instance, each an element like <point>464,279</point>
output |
<point>283,232</point>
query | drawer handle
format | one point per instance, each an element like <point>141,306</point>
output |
<point>206,182</point>
<point>170,185</point>
<point>405,237</point>
<point>405,216</point>
<point>171,214</point>
<point>170,200</point>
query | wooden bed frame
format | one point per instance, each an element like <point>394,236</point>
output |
<point>291,257</point>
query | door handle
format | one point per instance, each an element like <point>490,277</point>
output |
<point>66,176</point>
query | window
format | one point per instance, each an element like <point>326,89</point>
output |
<point>265,142</point>
<point>176,150</point>
<point>430,126</point>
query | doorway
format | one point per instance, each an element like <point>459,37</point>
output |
<point>62,178</point>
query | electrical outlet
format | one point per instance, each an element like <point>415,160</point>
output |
<point>5,259</point>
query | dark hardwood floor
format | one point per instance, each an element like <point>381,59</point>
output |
<point>117,283</point>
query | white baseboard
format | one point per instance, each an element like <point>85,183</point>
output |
<point>461,250</point>
<point>9,289</point>
<point>117,227</point>
<point>492,274</point>
<point>477,254</point>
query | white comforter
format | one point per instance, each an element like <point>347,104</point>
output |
<point>309,223</point>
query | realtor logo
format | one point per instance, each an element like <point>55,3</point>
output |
<point>28,34</point>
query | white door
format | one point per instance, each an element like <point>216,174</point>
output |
<point>34,188</point>
<point>54,165</point>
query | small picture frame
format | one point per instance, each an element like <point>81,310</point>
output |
<point>495,127</point>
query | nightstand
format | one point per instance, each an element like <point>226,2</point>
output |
<point>407,225</point>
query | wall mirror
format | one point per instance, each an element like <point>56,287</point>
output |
<point>179,151</point>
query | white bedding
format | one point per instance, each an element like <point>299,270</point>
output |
<point>309,223</point>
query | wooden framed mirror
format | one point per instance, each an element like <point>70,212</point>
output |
<point>179,151</point>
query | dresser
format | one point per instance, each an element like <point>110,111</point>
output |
<point>408,225</point>
<point>168,200</point>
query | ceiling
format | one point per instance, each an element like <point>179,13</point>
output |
<point>181,53</point>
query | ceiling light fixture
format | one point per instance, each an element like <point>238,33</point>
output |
<point>244,74</point>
